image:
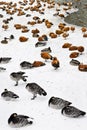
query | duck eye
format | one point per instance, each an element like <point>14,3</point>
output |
<point>5,89</point>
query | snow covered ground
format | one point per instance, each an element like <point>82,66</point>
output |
<point>66,82</point>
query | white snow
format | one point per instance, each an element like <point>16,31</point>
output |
<point>66,82</point>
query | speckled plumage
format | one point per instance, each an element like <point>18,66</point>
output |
<point>16,76</point>
<point>35,89</point>
<point>5,59</point>
<point>9,95</point>
<point>26,65</point>
<point>72,111</point>
<point>58,103</point>
<point>16,120</point>
<point>74,62</point>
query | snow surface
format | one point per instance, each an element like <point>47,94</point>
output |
<point>66,82</point>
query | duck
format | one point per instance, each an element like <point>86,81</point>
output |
<point>45,38</point>
<point>73,112</point>
<point>83,29</point>
<point>82,67</point>
<point>40,44</point>
<point>16,76</point>
<point>23,39</point>
<point>46,56</point>
<point>65,35</point>
<point>74,62</point>
<point>72,28</point>
<point>26,65</point>
<point>9,95</point>
<point>5,59</point>
<point>35,89</point>
<point>2,69</point>
<point>81,49</point>
<point>74,55</point>
<point>15,120</point>
<point>5,26</point>
<point>4,41</point>
<point>48,50</point>
<point>38,64</point>
<point>55,63</point>
<point>58,103</point>
<point>1,16</point>
<point>73,48</point>
<point>35,35</point>
<point>66,45</point>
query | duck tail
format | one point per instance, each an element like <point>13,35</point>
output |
<point>51,57</point>
<point>30,122</point>
<point>83,113</point>
<point>24,78</point>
